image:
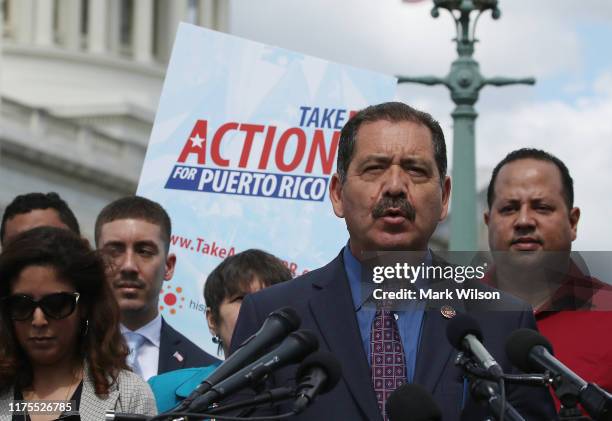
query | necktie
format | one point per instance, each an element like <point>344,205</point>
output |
<point>134,342</point>
<point>388,360</point>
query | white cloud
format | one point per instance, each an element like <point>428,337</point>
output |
<point>580,135</point>
<point>532,38</point>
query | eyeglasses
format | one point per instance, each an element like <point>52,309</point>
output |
<point>56,306</point>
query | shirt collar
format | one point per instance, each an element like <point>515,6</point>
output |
<point>151,331</point>
<point>575,291</point>
<point>352,266</point>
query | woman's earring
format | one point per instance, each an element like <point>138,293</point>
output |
<point>217,340</point>
<point>86,327</point>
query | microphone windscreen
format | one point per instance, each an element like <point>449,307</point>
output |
<point>519,345</point>
<point>460,326</point>
<point>411,402</point>
<point>290,316</point>
<point>310,342</point>
<point>327,362</point>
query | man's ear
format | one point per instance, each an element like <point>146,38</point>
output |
<point>335,194</point>
<point>170,264</point>
<point>486,218</point>
<point>446,193</point>
<point>574,217</point>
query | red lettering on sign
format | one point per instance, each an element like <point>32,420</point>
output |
<point>318,144</point>
<point>299,135</point>
<point>196,143</point>
<point>215,152</point>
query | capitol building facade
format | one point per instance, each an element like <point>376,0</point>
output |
<point>80,81</point>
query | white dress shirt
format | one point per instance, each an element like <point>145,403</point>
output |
<point>148,353</point>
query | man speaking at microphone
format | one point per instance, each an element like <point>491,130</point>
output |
<point>392,190</point>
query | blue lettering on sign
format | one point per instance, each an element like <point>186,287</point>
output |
<point>247,183</point>
<point>323,118</point>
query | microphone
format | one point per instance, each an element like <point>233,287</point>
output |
<point>292,350</point>
<point>275,327</point>
<point>530,351</point>
<point>411,402</point>
<point>463,332</point>
<point>318,374</point>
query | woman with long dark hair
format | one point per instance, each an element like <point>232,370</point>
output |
<point>59,333</point>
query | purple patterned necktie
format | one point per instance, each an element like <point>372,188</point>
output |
<point>388,362</point>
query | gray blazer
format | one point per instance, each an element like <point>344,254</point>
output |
<point>129,394</point>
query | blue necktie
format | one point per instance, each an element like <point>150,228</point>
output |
<point>134,341</point>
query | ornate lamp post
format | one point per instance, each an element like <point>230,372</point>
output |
<point>464,82</point>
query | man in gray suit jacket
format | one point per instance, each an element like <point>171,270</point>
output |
<point>134,234</point>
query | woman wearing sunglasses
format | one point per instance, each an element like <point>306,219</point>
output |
<point>59,333</point>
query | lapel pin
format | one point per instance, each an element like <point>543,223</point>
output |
<point>178,356</point>
<point>448,312</point>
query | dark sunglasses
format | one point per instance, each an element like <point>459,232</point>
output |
<point>56,306</point>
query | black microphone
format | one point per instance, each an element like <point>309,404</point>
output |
<point>411,402</point>
<point>463,332</point>
<point>292,350</point>
<point>275,328</point>
<point>318,374</point>
<point>530,351</point>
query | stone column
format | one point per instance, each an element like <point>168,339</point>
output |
<point>23,12</point>
<point>97,24</point>
<point>142,32</point>
<point>70,23</point>
<point>214,14</point>
<point>43,34</point>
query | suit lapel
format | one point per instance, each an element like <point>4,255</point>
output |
<point>170,358</point>
<point>333,310</point>
<point>434,349</point>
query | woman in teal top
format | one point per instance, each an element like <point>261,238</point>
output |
<point>225,287</point>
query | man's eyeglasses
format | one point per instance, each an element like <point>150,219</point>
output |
<point>56,306</point>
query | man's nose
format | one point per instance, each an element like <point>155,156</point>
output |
<point>524,219</point>
<point>396,183</point>
<point>128,263</point>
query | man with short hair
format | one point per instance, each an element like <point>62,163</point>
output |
<point>392,190</point>
<point>32,210</point>
<point>134,234</point>
<point>532,223</point>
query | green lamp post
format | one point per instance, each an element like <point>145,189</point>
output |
<point>464,82</point>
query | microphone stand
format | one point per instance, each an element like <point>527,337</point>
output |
<point>269,397</point>
<point>595,401</point>
<point>534,379</point>
<point>484,388</point>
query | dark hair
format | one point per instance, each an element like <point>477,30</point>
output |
<point>540,155</point>
<point>29,202</point>
<point>135,207</point>
<point>235,274</point>
<point>394,112</point>
<point>102,346</point>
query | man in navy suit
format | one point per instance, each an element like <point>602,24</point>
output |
<point>392,189</point>
<point>134,234</point>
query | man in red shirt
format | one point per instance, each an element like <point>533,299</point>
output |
<point>532,222</point>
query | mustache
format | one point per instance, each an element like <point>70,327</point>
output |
<point>519,239</point>
<point>399,204</point>
<point>128,281</point>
